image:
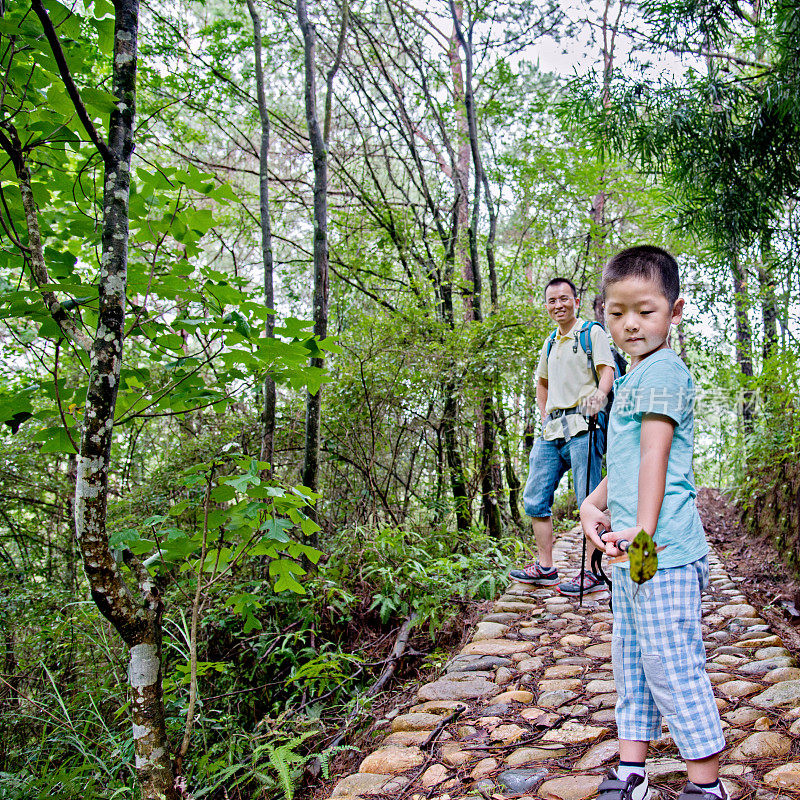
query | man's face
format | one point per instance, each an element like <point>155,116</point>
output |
<point>561,304</point>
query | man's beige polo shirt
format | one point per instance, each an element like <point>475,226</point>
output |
<point>569,377</point>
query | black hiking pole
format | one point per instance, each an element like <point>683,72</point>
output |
<point>592,426</point>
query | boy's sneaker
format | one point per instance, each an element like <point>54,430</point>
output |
<point>535,574</point>
<point>592,584</point>
<point>692,792</point>
<point>635,788</point>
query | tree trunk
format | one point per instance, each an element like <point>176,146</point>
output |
<point>491,488</point>
<point>138,621</point>
<point>744,338</point>
<point>769,303</point>
<point>319,155</point>
<point>268,411</point>
<point>454,463</point>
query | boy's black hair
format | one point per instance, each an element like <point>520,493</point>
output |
<point>648,262</point>
<point>562,280</point>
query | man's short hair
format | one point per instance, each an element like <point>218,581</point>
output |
<point>648,262</point>
<point>562,280</point>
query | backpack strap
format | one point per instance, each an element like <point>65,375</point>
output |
<point>550,339</point>
<point>584,337</point>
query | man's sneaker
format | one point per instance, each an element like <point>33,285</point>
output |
<point>692,792</point>
<point>535,574</point>
<point>635,788</point>
<point>592,584</point>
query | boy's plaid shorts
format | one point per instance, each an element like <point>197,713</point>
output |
<point>660,662</point>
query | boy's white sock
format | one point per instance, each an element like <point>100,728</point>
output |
<point>714,788</point>
<point>628,768</point>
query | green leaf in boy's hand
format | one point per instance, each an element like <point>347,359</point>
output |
<point>643,557</point>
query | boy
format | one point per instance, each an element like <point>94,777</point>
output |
<point>657,646</point>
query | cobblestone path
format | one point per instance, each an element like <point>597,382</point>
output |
<point>526,709</point>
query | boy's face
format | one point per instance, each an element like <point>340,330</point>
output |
<point>639,316</point>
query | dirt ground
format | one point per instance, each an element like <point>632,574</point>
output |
<point>766,580</point>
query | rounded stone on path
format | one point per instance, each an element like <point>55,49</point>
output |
<point>454,755</point>
<point>510,607</point>
<point>418,721</point>
<point>361,784</point>
<point>497,647</point>
<point>519,696</point>
<point>754,640</point>
<point>560,671</point>
<point>782,674</point>
<point>477,663</point>
<point>530,634</point>
<point>665,769</point>
<point>503,617</point>
<point>598,754</point>
<point>483,768</point>
<point>743,716</point>
<point>600,687</point>
<point>762,724</point>
<point>439,707</point>
<point>604,717</point>
<point>519,781</point>
<point>764,744</point>
<point>574,640</point>
<point>410,738</point>
<point>578,710</point>
<point>607,700</point>
<point>575,661</point>
<point>484,787</point>
<point>763,667</point>
<point>599,650</point>
<point>794,728</point>
<point>434,775</point>
<point>489,630</point>
<point>739,688</point>
<point>448,688</point>
<point>529,755</point>
<point>556,698</point>
<point>727,660</point>
<point>507,733</point>
<point>562,684</point>
<point>721,704</point>
<point>530,664</point>
<point>786,693</point>
<point>786,776</point>
<point>504,676</point>
<point>718,677</point>
<point>571,787</point>
<point>572,732</point>
<point>740,610</point>
<point>767,653</point>
<point>392,760</point>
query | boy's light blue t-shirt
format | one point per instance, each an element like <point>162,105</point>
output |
<point>661,384</point>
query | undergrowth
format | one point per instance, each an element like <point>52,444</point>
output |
<point>271,699</point>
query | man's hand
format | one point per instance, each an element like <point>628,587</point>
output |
<point>594,523</point>
<point>594,403</point>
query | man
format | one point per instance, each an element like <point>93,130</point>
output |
<point>566,395</point>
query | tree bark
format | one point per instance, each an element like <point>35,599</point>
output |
<point>319,155</point>
<point>454,462</point>
<point>138,621</point>
<point>489,468</point>
<point>268,411</point>
<point>769,303</point>
<point>744,337</point>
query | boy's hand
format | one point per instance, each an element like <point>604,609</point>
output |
<point>611,538</point>
<point>594,522</point>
